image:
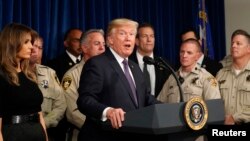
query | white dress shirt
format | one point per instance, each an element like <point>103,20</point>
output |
<point>73,58</point>
<point>150,68</point>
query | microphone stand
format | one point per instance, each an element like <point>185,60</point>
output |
<point>162,63</point>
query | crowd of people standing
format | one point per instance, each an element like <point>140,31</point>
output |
<point>101,76</point>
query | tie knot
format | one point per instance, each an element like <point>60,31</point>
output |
<point>77,60</point>
<point>125,62</point>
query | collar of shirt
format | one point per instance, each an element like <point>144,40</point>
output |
<point>118,58</point>
<point>72,57</point>
<point>140,59</point>
<point>232,69</point>
<point>150,68</point>
<point>195,70</point>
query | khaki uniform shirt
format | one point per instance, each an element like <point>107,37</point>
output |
<point>235,91</point>
<point>54,104</point>
<point>70,84</point>
<point>198,82</point>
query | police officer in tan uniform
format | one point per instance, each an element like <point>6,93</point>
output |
<point>196,81</point>
<point>92,43</point>
<point>234,80</point>
<point>54,103</point>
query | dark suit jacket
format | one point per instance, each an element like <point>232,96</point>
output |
<point>61,64</point>
<point>211,66</point>
<point>103,84</point>
<point>161,75</point>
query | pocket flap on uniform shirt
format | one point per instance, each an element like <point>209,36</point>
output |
<point>223,84</point>
<point>244,87</point>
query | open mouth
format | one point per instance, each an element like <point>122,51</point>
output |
<point>127,45</point>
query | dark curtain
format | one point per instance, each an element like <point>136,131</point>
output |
<point>51,18</point>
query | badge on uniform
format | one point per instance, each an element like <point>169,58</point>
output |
<point>66,82</point>
<point>212,81</point>
<point>45,84</point>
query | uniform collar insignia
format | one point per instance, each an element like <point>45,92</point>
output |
<point>248,78</point>
<point>194,80</point>
<point>222,81</point>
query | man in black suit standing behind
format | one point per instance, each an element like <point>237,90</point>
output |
<point>61,64</point>
<point>204,61</point>
<point>145,43</point>
<point>111,85</point>
<point>72,54</point>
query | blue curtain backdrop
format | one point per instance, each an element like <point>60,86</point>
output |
<point>51,18</point>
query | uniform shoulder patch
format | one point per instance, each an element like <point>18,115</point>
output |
<point>66,82</point>
<point>212,81</point>
<point>45,84</point>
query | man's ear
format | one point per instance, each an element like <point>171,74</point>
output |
<point>65,43</point>
<point>248,48</point>
<point>197,56</point>
<point>200,41</point>
<point>136,41</point>
<point>110,40</point>
<point>84,48</point>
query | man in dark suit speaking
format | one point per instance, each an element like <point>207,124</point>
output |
<point>111,85</point>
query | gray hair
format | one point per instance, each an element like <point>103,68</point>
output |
<point>85,35</point>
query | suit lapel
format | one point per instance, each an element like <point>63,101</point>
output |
<point>133,57</point>
<point>136,79</point>
<point>121,74</point>
<point>69,61</point>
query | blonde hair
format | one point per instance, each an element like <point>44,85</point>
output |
<point>116,23</point>
<point>11,41</point>
<point>120,22</point>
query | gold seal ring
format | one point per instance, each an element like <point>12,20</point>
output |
<point>196,113</point>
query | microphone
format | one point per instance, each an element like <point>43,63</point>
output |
<point>150,61</point>
<point>159,62</point>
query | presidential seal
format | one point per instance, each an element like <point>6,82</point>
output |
<point>196,113</point>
